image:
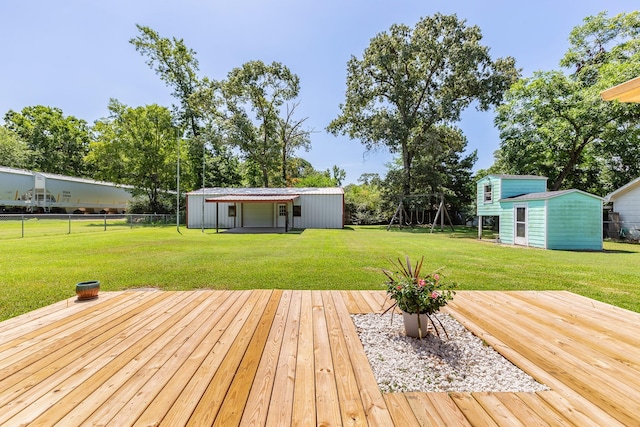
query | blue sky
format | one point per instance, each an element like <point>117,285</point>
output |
<point>75,54</point>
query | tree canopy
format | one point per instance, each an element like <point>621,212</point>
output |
<point>555,123</point>
<point>255,93</point>
<point>14,152</point>
<point>409,82</point>
<point>56,143</point>
<point>138,146</point>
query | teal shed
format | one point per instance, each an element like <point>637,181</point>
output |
<point>529,215</point>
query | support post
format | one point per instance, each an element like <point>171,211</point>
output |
<point>479,227</point>
<point>217,215</point>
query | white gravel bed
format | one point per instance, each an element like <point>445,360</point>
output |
<point>460,363</point>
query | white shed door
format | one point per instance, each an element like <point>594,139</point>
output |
<point>520,231</point>
<point>282,215</point>
<point>258,215</point>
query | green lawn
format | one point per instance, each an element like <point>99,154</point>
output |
<point>37,271</point>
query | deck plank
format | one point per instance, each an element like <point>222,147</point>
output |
<point>448,410</point>
<point>233,402</point>
<point>183,407</point>
<point>201,361</point>
<point>235,373</point>
<point>520,409</point>
<point>57,402</point>
<point>424,411</point>
<point>256,409</point>
<point>145,364</point>
<point>351,408</point>
<point>282,398</point>
<point>304,395</point>
<point>293,357</point>
<point>34,365</point>
<point>498,411</point>
<point>159,382</point>
<point>47,334</point>
<point>544,411</point>
<point>473,411</point>
<point>57,373</point>
<point>400,410</point>
<point>372,399</point>
<point>327,406</point>
<point>51,313</point>
<point>600,383</point>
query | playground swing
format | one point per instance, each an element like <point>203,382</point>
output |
<point>401,213</point>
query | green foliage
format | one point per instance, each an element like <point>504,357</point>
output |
<point>138,147</point>
<point>14,152</point>
<point>254,94</point>
<point>363,202</point>
<point>410,83</point>
<point>176,65</point>
<point>417,293</point>
<point>556,125</point>
<point>56,143</point>
<point>313,178</point>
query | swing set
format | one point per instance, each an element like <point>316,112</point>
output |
<point>420,207</point>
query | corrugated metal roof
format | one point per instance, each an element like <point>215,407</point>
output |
<point>254,199</point>
<point>261,191</point>
<point>545,195</point>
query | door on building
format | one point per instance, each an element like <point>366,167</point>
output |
<point>520,231</point>
<point>282,215</point>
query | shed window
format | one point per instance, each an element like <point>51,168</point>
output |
<point>488,196</point>
<point>232,210</point>
<point>297,210</point>
<point>282,210</point>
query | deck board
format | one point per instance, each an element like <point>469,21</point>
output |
<point>292,357</point>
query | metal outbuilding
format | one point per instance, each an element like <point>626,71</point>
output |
<point>284,208</point>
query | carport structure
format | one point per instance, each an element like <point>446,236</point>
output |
<point>283,204</point>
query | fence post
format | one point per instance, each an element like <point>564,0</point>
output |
<point>69,225</point>
<point>105,222</point>
<point>22,226</point>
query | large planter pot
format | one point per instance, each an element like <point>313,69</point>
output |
<point>411,326</point>
<point>87,290</point>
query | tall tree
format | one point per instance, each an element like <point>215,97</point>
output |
<point>57,143</point>
<point>178,67</point>
<point>291,136</point>
<point>254,93</point>
<point>138,146</point>
<point>14,152</point>
<point>555,123</point>
<point>409,81</point>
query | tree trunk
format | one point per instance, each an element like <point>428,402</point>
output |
<point>406,164</point>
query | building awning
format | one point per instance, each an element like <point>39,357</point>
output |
<point>253,199</point>
<point>628,91</point>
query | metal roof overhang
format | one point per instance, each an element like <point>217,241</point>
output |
<point>253,199</point>
<point>628,91</point>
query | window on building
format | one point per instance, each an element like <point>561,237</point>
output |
<point>232,210</point>
<point>297,211</point>
<point>488,196</point>
<point>282,210</point>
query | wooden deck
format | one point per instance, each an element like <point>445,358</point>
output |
<point>293,358</point>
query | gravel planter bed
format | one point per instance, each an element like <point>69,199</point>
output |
<point>460,363</point>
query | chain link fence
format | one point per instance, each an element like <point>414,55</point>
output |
<point>32,225</point>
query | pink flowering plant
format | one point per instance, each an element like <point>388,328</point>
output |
<point>414,292</point>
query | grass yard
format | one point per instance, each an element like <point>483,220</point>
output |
<point>37,271</point>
